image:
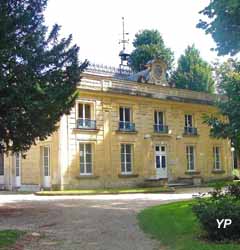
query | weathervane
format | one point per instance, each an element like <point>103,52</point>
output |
<point>123,54</point>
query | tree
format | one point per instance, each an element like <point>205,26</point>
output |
<point>149,44</point>
<point>193,72</point>
<point>223,24</point>
<point>226,123</point>
<point>38,75</point>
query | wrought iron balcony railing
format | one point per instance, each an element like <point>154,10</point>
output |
<point>86,124</point>
<point>127,126</point>
<point>190,131</point>
<point>160,128</point>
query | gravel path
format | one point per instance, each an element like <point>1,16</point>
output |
<point>103,222</point>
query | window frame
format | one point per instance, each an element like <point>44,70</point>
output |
<point>124,164</point>
<point>215,162</point>
<point>156,115</point>
<point>124,114</point>
<point>188,158</point>
<point>186,124</point>
<point>85,161</point>
<point>2,170</point>
<point>48,160</point>
<point>17,158</point>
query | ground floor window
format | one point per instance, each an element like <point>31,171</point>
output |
<point>126,158</point>
<point>86,158</point>
<point>46,160</point>
<point>190,152</point>
<point>1,164</point>
<point>216,158</point>
<point>17,164</point>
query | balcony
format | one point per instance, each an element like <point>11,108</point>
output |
<point>86,124</point>
<point>160,128</point>
<point>127,126</point>
<point>190,131</point>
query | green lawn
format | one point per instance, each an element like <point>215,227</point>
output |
<point>108,191</point>
<point>9,237</point>
<point>176,227</point>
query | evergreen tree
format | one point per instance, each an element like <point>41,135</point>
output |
<point>38,75</point>
<point>193,72</point>
<point>148,45</point>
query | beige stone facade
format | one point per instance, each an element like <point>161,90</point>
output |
<point>125,133</point>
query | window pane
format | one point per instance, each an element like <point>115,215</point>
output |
<point>128,148</point>
<point>87,111</point>
<point>127,114</point>
<point>88,158</point>
<point>155,118</point>
<point>123,167</point>
<point>45,151</point>
<point>1,164</point>
<point>88,148</point>
<point>157,161</point>
<point>163,161</point>
<point>80,110</point>
<point>129,167</point>
<point>121,114</point>
<point>128,157</point>
<point>122,149</point>
<point>163,149</point>
<point>160,118</point>
<point>89,168</point>
<point>82,171</point>
<point>157,148</point>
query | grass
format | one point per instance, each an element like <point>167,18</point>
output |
<point>9,237</point>
<point>221,183</point>
<point>108,191</point>
<point>176,227</point>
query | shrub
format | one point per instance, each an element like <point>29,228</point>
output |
<point>234,190</point>
<point>236,174</point>
<point>208,210</point>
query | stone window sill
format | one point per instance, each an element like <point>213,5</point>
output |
<point>218,171</point>
<point>128,175</point>
<point>190,135</point>
<point>126,132</point>
<point>192,172</point>
<point>87,177</point>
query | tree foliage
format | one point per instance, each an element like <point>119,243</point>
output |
<point>193,72</point>
<point>229,106</point>
<point>38,74</point>
<point>223,24</point>
<point>148,45</point>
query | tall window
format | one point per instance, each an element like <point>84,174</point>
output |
<point>86,159</point>
<point>84,111</point>
<point>1,164</point>
<point>126,158</point>
<point>190,152</point>
<point>158,118</point>
<point>188,121</point>
<point>46,161</point>
<point>217,158</point>
<point>17,164</point>
<point>125,114</point>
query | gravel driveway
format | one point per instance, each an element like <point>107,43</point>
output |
<point>102,222</point>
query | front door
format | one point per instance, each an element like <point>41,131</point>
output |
<point>161,161</point>
<point>17,170</point>
<point>46,167</point>
<point>1,169</point>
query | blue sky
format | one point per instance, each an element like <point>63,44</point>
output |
<point>96,25</point>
